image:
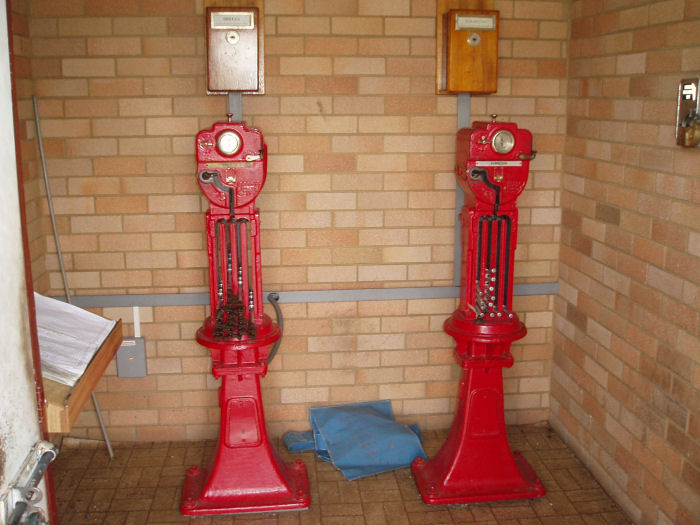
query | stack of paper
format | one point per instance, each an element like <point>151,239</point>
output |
<point>68,338</point>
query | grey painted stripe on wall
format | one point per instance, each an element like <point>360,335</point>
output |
<point>463,121</point>
<point>310,296</point>
<point>235,106</point>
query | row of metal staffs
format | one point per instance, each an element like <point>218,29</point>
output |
<point>493,269</point>
<point>234,318</point>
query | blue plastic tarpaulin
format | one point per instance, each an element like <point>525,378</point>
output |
<point>360,439</point>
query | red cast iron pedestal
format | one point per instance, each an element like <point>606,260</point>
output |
<point>247,474</point>
<point>475,463</point>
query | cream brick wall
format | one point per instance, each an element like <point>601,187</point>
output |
<point>626,369</point>
<point>360,194</point>
<point>359,142</point>
<point>332,353</point>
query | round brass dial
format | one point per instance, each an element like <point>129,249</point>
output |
<point>503,141</point>
<point>228,143</point>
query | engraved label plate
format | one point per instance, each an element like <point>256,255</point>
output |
<point>483,22</point>
<point>491,163</point>
<point>232,20</point>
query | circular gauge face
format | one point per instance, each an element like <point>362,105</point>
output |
<point>228,143</point>
<point>503,141</point>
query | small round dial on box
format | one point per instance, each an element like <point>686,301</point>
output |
<point>228,143</point>
<point>503,141</point>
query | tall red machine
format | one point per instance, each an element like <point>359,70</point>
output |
<point>247,474</point>
<point>476,462</point>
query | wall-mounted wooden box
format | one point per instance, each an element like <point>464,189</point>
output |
<point>472,51</point>
<point>235,53</point>
<point>467,47</point>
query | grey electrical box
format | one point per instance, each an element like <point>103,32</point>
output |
<point>131,358</point>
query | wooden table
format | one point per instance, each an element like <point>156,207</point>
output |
<point>64,403</point>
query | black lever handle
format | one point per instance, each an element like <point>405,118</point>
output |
<point>531,156</point>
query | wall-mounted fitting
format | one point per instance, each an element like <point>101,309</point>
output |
<point>688,113</point>
<point>235,50</point>
<point>472,51</point>
<point>131,357</point>
<point>467,51</point>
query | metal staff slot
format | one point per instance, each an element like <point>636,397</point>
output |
<point>492,294</point>
<point>219,277</point>
<point>233,321</point>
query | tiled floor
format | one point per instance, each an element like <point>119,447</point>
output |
<point>143,483</point>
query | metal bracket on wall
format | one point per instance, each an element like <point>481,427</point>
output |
<point>688,113</point>
<point>235,106</point>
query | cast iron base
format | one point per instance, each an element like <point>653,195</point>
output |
<point>292,494</point>
<point>476,463</point>
<point>526,485</point>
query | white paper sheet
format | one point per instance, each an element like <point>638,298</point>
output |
<point>69,337</point>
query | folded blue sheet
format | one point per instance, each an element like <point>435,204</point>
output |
<point>360,439</point>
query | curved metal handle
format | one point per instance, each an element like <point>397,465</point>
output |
<point>531,156</point>
<point>273,298</point>
<point>260,155</point>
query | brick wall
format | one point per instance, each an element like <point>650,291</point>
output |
<point>360,194</point>
<point>626,368</point>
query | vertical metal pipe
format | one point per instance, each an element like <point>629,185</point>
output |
<point>479,247</point>
<point>40,140</point>
<point>507,293</point>
<point>66,288</point>
<point>239,260</point>
<point>499,276</point>
<point>489,241</point>
<point>102,426</point>
<point>250,268</point>
<point>217,254</point>
<point>229,259</point>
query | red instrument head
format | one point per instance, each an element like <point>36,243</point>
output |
<point>231,160</point>
<point>493,161</point>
